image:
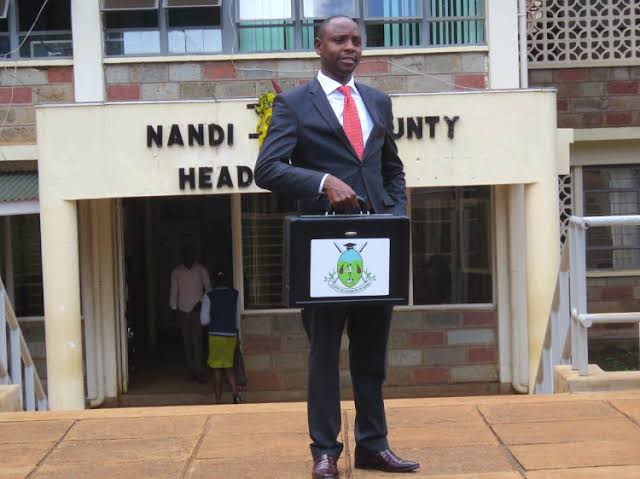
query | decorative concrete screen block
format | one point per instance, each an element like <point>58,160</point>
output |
<point>588,31</point>
<point>471,336</point>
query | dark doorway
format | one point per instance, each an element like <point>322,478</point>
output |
<point>155,229</point>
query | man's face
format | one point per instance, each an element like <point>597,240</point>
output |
<point>340,48</point>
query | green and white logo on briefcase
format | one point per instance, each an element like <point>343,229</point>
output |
<point>354,267</point>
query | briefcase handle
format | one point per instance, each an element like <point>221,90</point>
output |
<point>364,209</point>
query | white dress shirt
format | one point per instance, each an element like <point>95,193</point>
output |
<point>187,286</point>
<point>336,100</point>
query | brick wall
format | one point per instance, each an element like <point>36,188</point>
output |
<point>430,353</point>
<point>225,79</point>
<point>21,90</point>
<point>594,97</point>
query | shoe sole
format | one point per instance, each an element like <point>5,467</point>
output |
<point>385,469</point>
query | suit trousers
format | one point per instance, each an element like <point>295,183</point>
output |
<point>368,332</point>
<point>192,340</point>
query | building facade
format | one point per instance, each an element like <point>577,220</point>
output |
<point>146,139</point>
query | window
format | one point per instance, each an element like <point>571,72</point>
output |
<point>612,190</point>
<point>152,27</point>
<point>27,264</point>
<point>51,33</point>
<point>148,27</point>
<point>262,249</point>
<point>450,245</point>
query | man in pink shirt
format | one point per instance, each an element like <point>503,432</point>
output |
<point>189,282</point>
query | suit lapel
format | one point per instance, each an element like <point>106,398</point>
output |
<point>323,106</point>
<point>373,113</point>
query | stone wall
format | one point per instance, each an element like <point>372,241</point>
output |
<point>239,79</point>
<point>429,353</point>
<point>593,97</point>
<point>614,294</point>
<point>21,89</point>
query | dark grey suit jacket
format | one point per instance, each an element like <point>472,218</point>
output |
<point>306,140</point>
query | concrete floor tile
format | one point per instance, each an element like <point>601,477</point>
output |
<point>23,455</point>
<point>453,460</point>
<point>137,470</point>
<point>415,417</point>
<point>15,472</point>
<point>568,431</point>
<point>552,411</point>
<point>24,431</point>
<point>620,472</point>
<point>241,446</point>
<point>140,428</point>
<point>577,454</point>
<point>173,449</point>
<point>213,469</point>
<point>361,474</point>
<point>261,423</point>
<point>438,435</point>
<point>630,407</point>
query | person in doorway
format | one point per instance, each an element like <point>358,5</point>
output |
<point>221,312</point>
<point>335,137</point>
<point>189,281</point>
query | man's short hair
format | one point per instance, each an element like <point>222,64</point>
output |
<point>326,21</point>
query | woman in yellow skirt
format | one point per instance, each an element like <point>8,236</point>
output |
<point>220,311</point>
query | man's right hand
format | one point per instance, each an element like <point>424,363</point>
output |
<point>339,194</point>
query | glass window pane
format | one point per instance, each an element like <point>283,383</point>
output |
<point>27,264</point>
<point>265,36</point>
<point>327,8</point>
<point>194,17</point>
<point>393,34</point>
<point>4,36</point>
<point>195,40</point>
<point>262,249</point>
<point>191,3</point>
<point>467,30</point>
<point>4,8</point>
<point>129,4</point>
<point>132,33</point>
<point>265,10</point>
<point>450,245</point>
<point>609,191</point>
<point>51,35</point>
<point>393,8</point>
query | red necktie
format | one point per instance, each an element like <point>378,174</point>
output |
<point>351,121</point>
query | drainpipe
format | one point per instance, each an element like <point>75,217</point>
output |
<point>97,305</point>
<point>517,238</point>
<point>522,37</point>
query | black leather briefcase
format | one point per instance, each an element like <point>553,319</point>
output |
<point>360,259</point>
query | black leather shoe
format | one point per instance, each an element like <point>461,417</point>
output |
<point>325,467</point>
<point>382,461</point>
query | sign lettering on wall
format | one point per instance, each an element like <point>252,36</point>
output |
<point>215,135</point>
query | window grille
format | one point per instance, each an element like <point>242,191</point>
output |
<point>613,190</point>
<point>583,32</point>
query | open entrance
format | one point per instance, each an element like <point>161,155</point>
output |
<point>155,232</point>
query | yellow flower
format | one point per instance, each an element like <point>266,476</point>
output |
<point>264,111</point>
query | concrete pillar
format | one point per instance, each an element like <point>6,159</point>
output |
<point>543,259</point>
<point>502,291</point>
<point>502,38</point>
<point>60,272</point>
<point>86,26</point>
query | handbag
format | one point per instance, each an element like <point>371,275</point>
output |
<point>238,366</point>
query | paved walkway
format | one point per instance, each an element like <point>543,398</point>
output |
<point>500,437</point>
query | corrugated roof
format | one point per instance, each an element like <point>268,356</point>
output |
<point>18,186</point>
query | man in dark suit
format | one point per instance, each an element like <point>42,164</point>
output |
<point>330,142</point>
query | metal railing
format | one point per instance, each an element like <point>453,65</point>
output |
<point>16,365</point>
<point>566,340</point>
<point>581,320</point>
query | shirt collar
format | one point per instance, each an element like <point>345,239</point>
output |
<point>329,85</point>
